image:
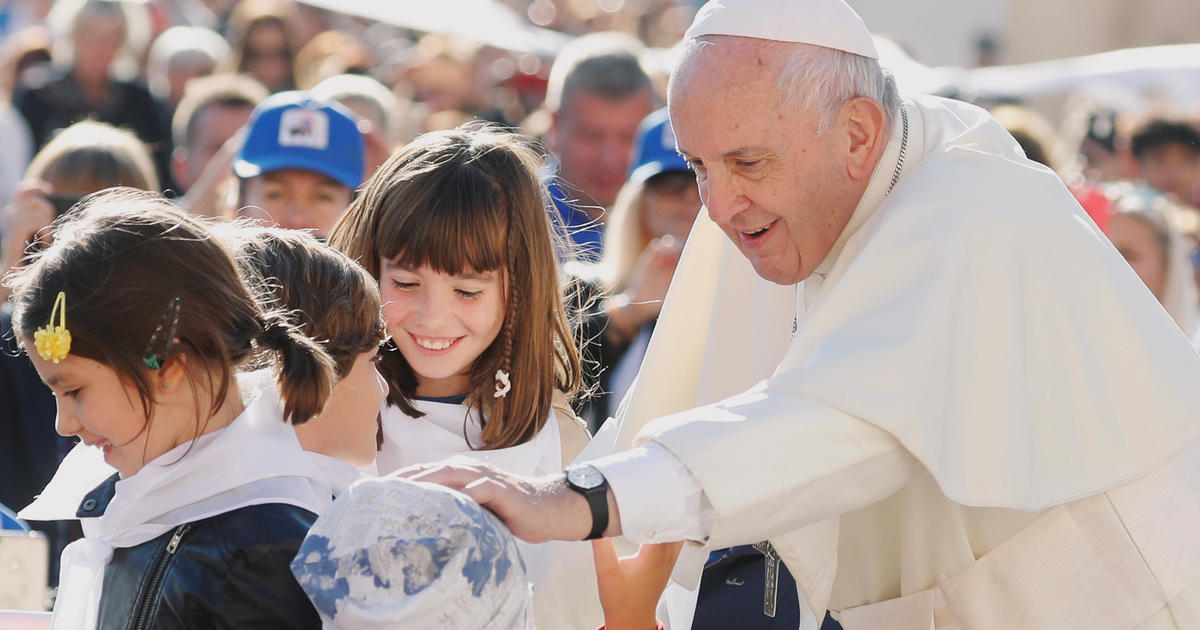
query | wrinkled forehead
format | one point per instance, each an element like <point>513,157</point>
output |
<point>725,88</point>
<point>715,56</point>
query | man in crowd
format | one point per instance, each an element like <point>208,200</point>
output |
<point>981,418</point>
<point>1168,155</point>
<point>212,110</point>
<point>597,95</point>
<point>300,163</point>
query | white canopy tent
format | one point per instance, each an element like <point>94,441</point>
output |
<point>486,21</point>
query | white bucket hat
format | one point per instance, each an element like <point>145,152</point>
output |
<point>392,553</point>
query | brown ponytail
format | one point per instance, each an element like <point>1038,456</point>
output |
<point>306,373</point>
<point>122,257</point>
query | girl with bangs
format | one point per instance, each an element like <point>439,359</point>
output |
<point>481,361</point>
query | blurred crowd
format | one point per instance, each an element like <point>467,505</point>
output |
<point>192,98</point>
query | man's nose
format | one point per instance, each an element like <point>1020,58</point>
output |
<point>616,153</point>
<point>294,217</point>
<point>723,200</point>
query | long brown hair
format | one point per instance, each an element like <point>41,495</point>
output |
<point>470,200</point>
<point>122,257</point>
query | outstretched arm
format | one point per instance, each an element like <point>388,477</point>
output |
<point>535,509</point>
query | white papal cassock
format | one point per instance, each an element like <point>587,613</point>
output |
<point>982,420</point>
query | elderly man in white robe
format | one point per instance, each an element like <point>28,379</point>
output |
<point>958,408</point>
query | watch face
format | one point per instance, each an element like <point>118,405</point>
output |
<point>585,477</point>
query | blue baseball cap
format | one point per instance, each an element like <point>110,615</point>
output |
<point>293,130</point>
<point>654,149</point>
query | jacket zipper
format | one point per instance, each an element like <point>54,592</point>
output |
<point>156,578</point>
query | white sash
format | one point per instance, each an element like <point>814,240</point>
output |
<point>255,460</point>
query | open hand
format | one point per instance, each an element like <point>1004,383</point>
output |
<point>535,509</point>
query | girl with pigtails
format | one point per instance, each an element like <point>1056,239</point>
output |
<point>136,319</point>
<point>481,360</point>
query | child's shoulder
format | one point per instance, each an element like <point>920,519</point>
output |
<point>232,567</point>
<point>270,523</point>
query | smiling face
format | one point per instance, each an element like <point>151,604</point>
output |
<point>440,322</point>
<point>782,193</point>
<point>96,405</point>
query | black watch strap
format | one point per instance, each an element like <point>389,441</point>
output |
<point>596,494</point>
<point>597,499</point>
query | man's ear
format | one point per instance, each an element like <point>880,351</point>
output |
<point>552,133</point>
<point>864,124</point>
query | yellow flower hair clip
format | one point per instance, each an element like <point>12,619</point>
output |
<point>54,342</point>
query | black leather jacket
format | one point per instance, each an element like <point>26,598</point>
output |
<point>226,571</point>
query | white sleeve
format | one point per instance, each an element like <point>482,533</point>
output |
<point>834,463</point>
<point>658,498</point>
<point>770,461</point>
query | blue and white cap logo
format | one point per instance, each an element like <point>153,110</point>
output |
<point>304,128</point>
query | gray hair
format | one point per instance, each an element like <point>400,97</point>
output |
<point>824,78</point>
<point>604,64</point>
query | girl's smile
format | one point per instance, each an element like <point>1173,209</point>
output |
<point>434,346</point>
<point>441,322</point>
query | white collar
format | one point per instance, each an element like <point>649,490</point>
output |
<point>887,173</point>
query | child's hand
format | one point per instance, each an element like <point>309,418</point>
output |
<point>630,586</point>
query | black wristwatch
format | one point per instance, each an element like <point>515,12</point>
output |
<point>589,482</point>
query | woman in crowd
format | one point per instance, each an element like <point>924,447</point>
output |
<point>263,43</point>
<point>1142,228</point>
<point>85,87</point>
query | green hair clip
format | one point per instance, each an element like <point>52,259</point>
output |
<point>152,359</point>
